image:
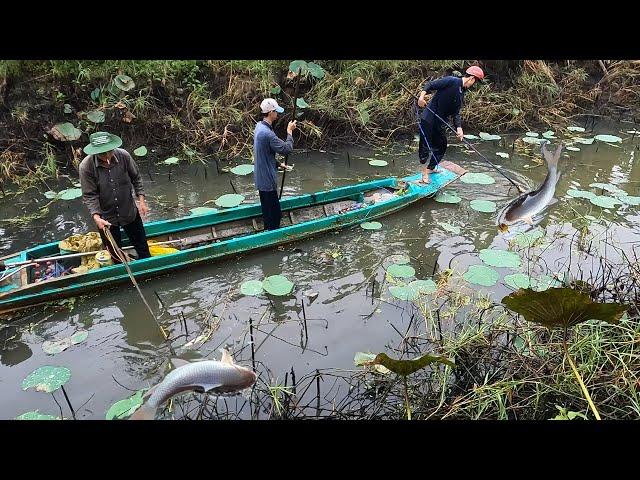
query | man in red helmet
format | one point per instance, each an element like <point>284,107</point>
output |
<point>445,103</point>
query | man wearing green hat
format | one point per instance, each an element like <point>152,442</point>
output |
<point>109,177</point>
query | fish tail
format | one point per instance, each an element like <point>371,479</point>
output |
<point>551,158</point>
<point>145,412</point>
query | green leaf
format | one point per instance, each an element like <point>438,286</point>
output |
<point>629,200</point>
<point>604,201</point>
<point>35,415</point>
<point>56,346</point>
<point>479,178</point>
<point>50,194</point>
<point>47,379</point>
<point>518,280</point>
<point>124,82</point>
<point>371,225</point>
<point>561,307</point>
<point>65,132</point>
<point>403,292</point>
<point>229,200</point>
<point>251,287</point>
<point>278,285</point>
<point>79,337</point>
<point>549,134</point>
<point>544,282</point>
<point>378,163</point>
<point>502,154</point>
<point>609,188</point>
<point>584,141</point>
<point>125,407</point>
<point>95,93</point>
<point>535,141</point>
<point>447,197</point>
<point>608,138</point>
<point>276,90</point>
<point>301,103</point>
<point>315,70</point>
<point>299,67</point>
<point>407,367</point>
<point>70,193</point>
<point>481,275</point>
<point>401,271</point>
<point>581,194</point>
<point>500,258</point>
<point>532,134</point>
<point>96,116</point>
<point>489,136</point>
<point>486,206</point>
<point>202,211</point>
<point>362,358</point>
<point>450,228</point>
<point>140,151</point>
<point>400,259</point>
<point>244,169</point>
<point>573,149</point>
<point>171,161</point>
<point>471,137</point>
<point>575,129</point>
<point>67,108</point>
<point>423,286</point>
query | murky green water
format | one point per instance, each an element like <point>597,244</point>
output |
<point>124,343</point>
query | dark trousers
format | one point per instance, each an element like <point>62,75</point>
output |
<point>271,212</point>
<point>437,141</point>
<point>135,232</point>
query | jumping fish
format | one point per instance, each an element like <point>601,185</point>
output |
<point>214,376</point>
<point>528,204</point>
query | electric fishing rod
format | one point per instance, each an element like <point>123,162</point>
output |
<point>293,115</point>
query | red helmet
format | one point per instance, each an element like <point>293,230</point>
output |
<point>476,72</point>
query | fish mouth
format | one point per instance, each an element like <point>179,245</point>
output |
<point>503,227</point>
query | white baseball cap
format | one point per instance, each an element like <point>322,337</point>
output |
<point>269,105</point>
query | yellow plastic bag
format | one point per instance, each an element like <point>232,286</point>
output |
<point>157,250</point>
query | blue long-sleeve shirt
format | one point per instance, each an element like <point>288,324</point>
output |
<point>447,101</point>
<point>265,146</point>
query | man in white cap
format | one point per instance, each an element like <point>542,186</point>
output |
<point>265,146</point>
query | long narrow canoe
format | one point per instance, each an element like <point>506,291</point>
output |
<point>227,232</point>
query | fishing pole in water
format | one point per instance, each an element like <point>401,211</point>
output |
<point>466,142</point>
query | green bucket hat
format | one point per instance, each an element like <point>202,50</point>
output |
<point>101,142</point>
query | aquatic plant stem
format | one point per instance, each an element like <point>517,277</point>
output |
<point>406,397</point>
<point>579,378</point>
<point>293,118</point>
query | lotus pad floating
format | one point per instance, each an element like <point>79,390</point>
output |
<point>400,259</point>
<point>608,187</point>
<point>47,379</point>
<point>96,116</point>
<point>518,280</point>
<point>57,346</point>
<point>481,275</point>
<point>278,285</point>
<point>584,141</point>
<point>402,292</point>
<point>378,163</point>
<point>450,228</point>
<point>202,210</point>
<point>423,286</point>
<point>65,132</point>
<point>401,271</point>
<point>548,134</point>
<point>471,137</point>
<point>245,169</point>
<point>251,287</point>
<point>605,202</point>
<point>36,415</point>
<point>500,258</point>
<point>229,200</point>
<point>608,138</point>
<point>502,154</point>
<point>140,151</point>
<point>573,149</point>
<point>528,239</point>
<point>50,194</point>
<point>125,407</point>
<point>629,200</point>
<point>581,194</point>
<point>532,134</point>
<point>535,141</point>
<point>361,359</point>
<point>371,225</point>
<point>488,136</point>
<point>545,282</point>
<point>486,206</point>
<point>447,197</point>
<point>479,178</point>
<point>70,193</point>
<point>575,129</point>
<point>171,161</point>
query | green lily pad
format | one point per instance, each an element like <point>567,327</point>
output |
<point>629,199</point>
<point>479,178</point>
<point>401,271</point>
<point>140,151</point>
<point>481,275</point>
<point>575,129</point>
<point>251,287</point>
<point>549,134</point>
<point>79,337</point>
<point>584,141</point>
<point>51,347</point>
<point>125,407</point>
<point>581,194</point>
<point>278,285</point>
<point>500,258</point>
<point>535,141</point>
<point>489,136</point>
<point>518,280</point>
<point>67,108</point>
<point>471,137</point>
<point>298,67</point>
<point>400,259</point>
<point>95,116</point>
<point>124,82</point>
<point>608,138</point>
<point>450,228</point>
<point>361,359</point>
<point>544,282</point>
<point>171,161</point>
<point>371,225</point>
<point>532,134</point>
<point>447,197</point>
<point>528,239</point>
<point>402,292</point>
<point>608,187</point>
<point>502,154</point>
<point>604,201</point>
<point>50,194</point>
<point>276,90</point>
<point>65,132</point>
<point>47,379</point>
<point>486,206</point>
<point>423,286</point>
<point>407,367</point>
<point>315,70</point>
<point>70,193</point>
<point>633,132</point>
<point>301,103</point>
<point>202,211</point>
<point>36,415</point>
<point>245,169</point>
<point>378,163</point>
<point>229,200</point>
<point>562,307</point>
<point>573,149</point>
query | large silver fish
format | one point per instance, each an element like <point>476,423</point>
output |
<point>524,207</point>
<point>222,376</point>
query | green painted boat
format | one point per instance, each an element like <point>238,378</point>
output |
<point>226,232</point>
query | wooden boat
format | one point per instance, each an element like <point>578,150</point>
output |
<point>215,235</point>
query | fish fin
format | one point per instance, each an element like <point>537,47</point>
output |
<point>528,220</point>
<point>207,387</point>
<point>552,201</point>
<point>179,362</point>
<point>226,357</point>
<point>149,392</point>
<point>145,412</point>
<point>551,158</point>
